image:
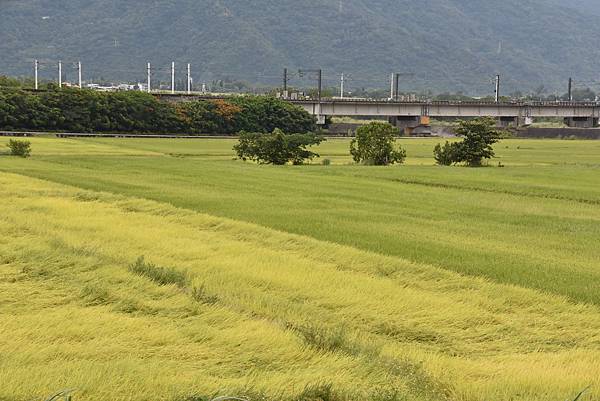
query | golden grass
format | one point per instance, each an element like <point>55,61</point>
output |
<point>289,312</point>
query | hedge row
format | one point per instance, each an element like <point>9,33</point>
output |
<point>75,110</point>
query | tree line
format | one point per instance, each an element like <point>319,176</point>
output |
<point>76,110</point>
<point>374,145</point>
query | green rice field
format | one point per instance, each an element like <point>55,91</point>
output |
<point>332,283</point>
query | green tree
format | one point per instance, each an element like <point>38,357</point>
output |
<point>375,144</point>
<point>276,148</point>
<point>478,137</point>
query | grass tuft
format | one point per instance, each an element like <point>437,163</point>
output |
<point>160,275</point>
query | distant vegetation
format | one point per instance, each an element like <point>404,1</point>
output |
<point>75,110</point>
<point>448,44</point>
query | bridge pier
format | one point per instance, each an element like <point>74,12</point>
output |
<point>508,122</point>
<point>581,122</point>
<point>410,124</point>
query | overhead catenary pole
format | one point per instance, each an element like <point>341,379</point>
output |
<point>148,88</point>
<point>320,86</point>
<point>396,86</point>
<point>319,73</point>
<point>497,88</point>
<point>36,66</point>
<point>570,93</point>
<point>392,87</point>
<point>79,74</point>
<point>342,86</point>
<point>60,74</point>
<point>173,77</point>
<point>189,78</point>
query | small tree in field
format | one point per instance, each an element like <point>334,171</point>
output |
<point>19,148</point>
<point>276,148</point>
<point>446,155</point>
<point>375,144</point>
<point>478,137</point>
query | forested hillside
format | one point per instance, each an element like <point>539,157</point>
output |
<point>447,44</point>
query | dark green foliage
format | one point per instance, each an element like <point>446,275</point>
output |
<point>75,110</point>
<point>478,137</point>
<point>276,148</point>
<point>448,154</point>
<point>375,144</point>
<point>160,275</point>
<point>265,114</point>
<point>19,148</point>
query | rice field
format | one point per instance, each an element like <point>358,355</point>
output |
<point>135,269</point>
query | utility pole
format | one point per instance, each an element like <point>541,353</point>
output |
<point>319,73</point>
<point>189,78</point>
<point>497,89</point>
<point>60,74</point>
<point>570,90</point>
<point>79,74</point>
<point>173,78</point>
<point>320,86</point>
<point>149,77</point>
<point>342,86</point>
<point>36,66</point>
<point>317,110</point>
<point>395,84</point>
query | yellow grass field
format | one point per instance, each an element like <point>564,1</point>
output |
<point>229,307</point>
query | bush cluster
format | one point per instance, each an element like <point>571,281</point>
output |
<point>75,110</point>
<point>19,148</point>
<point>478,137</point>
<point>277,147</point>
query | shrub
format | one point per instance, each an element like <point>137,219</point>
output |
<point>478,137</point>
<point>276,148</point>
<point>375,144</point>
<point>447,154</point>
<point>19,148</point>
<point>326,162</point>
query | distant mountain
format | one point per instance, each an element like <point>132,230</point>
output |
<point>585,6</point>
<point>446,44</point>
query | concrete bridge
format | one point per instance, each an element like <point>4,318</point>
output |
<point>414,114</point>
<point>409,115</point>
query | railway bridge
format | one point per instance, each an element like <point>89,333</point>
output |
<point>413,114</point>
<point>409,115</point>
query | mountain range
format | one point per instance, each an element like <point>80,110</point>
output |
<point>439,45</point>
